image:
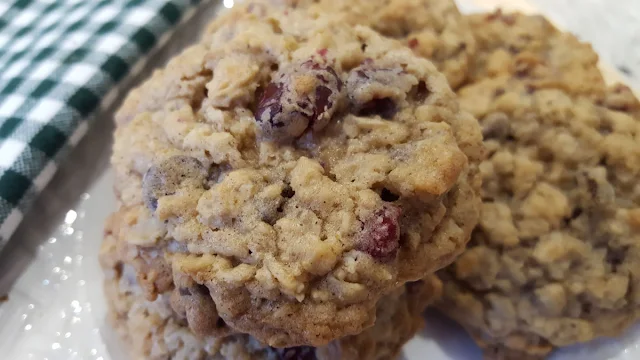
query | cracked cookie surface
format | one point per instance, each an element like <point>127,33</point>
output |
<point>298,169</point>
<point>433,29</point>
<point>555,259</point>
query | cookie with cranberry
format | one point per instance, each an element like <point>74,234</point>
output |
<point>297,169</point>
<point>555,259</point>
<point>433,29</point>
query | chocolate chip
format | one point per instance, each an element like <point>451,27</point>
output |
<point>495,126</point>
<point>421,92</point>
<point>385,107</point>
<point>529,286</point>
<point>576,213</point>
<point>287,192</point>
<point>377,90</point>
<point>603,161</point>
<point>586,308</point>
<point>414,287</point>
<point>220,323</point>
<point>201,289</point>
<point>615,257</point>
<point>388,196</point>
<point>167,177</point>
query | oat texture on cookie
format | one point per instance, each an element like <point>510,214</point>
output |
<point>532,49</point>
<point>153,329</point>
<point>283,174</point>
<point>433,29</point>
<point>555,259</point>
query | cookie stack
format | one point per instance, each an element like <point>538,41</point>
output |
<point>295,185</point>
<point>287,189</point>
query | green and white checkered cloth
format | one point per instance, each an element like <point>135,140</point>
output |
<point>60,61</point>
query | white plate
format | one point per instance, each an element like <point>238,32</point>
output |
<point>56,309</point>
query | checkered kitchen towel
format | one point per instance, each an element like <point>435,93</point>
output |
<point>60,60</point>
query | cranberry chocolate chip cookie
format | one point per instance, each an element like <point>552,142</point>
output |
<point>555,259</point>
<point>433,29</point>
<point>153,329</point>
<point>287,172</point>
<point>531,48</point>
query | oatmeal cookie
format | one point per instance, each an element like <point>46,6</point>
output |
<point>434,29</point>
<point>154,330</point>
<point>299,169</point>
<point>530,47</point>
<point>555,259</point>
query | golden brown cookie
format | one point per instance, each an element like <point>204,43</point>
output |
<point>433,29</point>
<point>529,47</point>
<point>296,169</point>
<point>154,330</point>
<point>555,259</point>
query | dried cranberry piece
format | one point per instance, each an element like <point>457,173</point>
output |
<point>302,96</point>
<point>270,105</point>
<point>380,236</point>
<point>297,353</point>
<point>165,178</point>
